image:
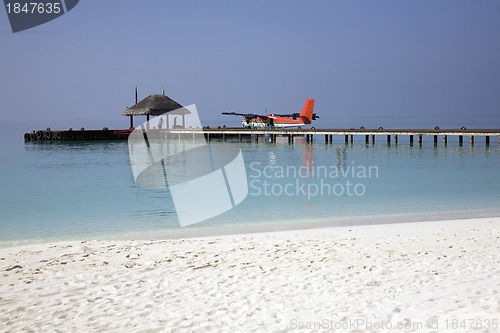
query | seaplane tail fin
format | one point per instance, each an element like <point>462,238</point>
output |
<point>307,111</point>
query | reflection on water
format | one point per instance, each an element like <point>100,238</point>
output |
<point>308,160</point>
<point>341,152</point>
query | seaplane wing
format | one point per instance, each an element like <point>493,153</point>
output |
<point>246,115</point>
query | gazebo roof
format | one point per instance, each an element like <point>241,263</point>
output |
<point>156,105</point>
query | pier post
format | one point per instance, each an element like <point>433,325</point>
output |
<point>346,138</point>
<point>307,138</point>
<point>435,140</point>
<point>420,139</point>
<point>367,139</point>
<point>411,139</point>
<point>330,138</point>
<point>471,139</point>
<point>224,137</point>
<point>312,138</point>
<point>256,137</point>
<point>487,140</point>
<point>373,138</point>
<point>395,138</point>
<point>445,140</point>
<point>352,138</point>
<point>460,140</point>
<point>326,139</point>
<point>290,138</point>
<point>389,139</point>
<point>208,137</point>
<point>239,137</point>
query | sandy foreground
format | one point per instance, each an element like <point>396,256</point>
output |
<point>426,276</point>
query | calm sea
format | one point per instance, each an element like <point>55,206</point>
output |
<point>73,190</point>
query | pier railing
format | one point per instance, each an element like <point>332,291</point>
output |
<point>347,134</point>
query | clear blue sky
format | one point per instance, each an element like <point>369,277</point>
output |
<point>356,58</point>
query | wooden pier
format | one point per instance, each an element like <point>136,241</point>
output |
<point>329,135</point>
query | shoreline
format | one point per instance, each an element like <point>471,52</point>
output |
<point>421,272</point>
<point>203,231</point>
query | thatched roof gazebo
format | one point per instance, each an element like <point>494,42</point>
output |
<point>156,105</point>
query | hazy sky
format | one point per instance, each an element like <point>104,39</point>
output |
<point>356,58</point>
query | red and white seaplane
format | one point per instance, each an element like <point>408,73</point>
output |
<point>305,117</point>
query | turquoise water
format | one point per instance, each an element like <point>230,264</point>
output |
<point>86,190</point>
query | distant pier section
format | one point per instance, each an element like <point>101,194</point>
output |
<point>76,135</point>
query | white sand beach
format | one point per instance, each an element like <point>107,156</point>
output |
<point>426,276</point>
